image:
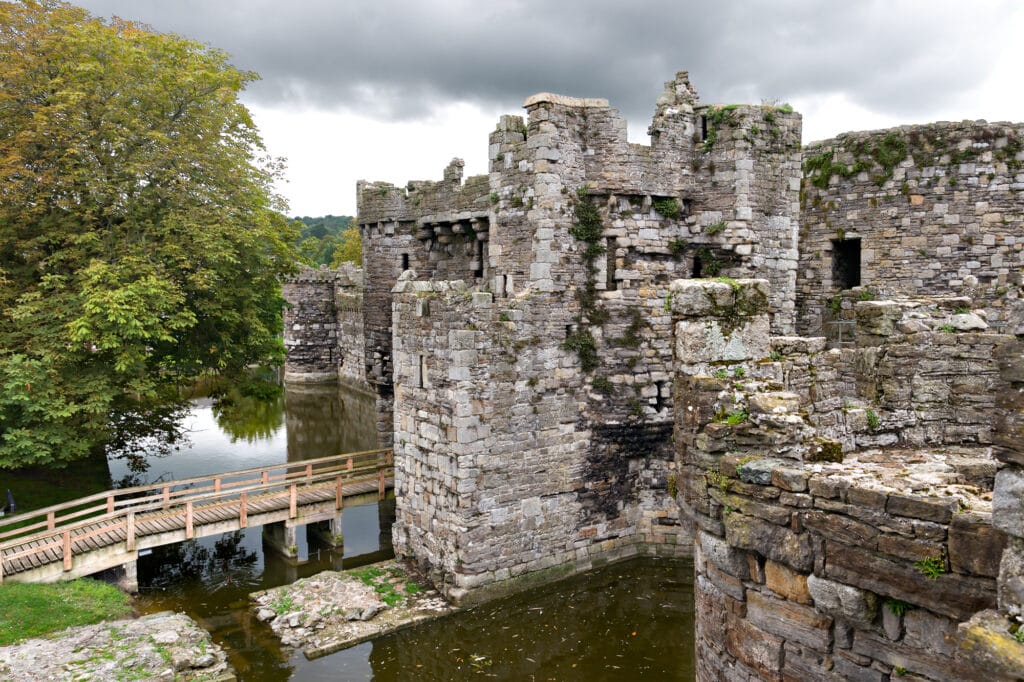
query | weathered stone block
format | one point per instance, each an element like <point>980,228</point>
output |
<point>717,551</point>
<point>931,664</point>
<point>987,645</point>
<point>774,402</point>
<point>709,609</point>
<point>928,632</point>
<point>842,601</point>
<point>802,664</point>
<point>1011,578</point>
<point>975,547</point>
<point>789,620</point>
<point>713,340</point>
<point>865,498</point>
<point>840,527</point>
<point>892,624</point>
<point>950,594</point>
<point>786,582</point>
<point>1008,501</point>
<point>757,471</point>
<point>775,542</point>
<point>755,648</point>
<point>725,582</point>
<point>856,668</point>
<point>927,508</point>
<point>792,480</point>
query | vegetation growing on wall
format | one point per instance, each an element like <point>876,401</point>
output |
<point>589,230</point>
<point>885,155</point>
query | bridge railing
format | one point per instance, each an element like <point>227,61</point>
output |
<point>53,528</point>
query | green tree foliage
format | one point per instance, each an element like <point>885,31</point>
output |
<point>141,243</point>
<point>350,246</point>
<point>328,240</point>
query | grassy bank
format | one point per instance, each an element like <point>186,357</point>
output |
<point>30,610</point>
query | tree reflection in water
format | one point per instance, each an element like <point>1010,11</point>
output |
<point>227,565</point>
<point>249,418</point>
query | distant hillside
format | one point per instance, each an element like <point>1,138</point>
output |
<point>328,240</point>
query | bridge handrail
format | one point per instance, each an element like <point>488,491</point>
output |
<point>171,490</point>
<point>155,506</point>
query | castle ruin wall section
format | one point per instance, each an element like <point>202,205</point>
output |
<point>840,559</point>
<point>938,209</point>
<point>593,302</point>
<point>310,323</point>
<point>323,321</point>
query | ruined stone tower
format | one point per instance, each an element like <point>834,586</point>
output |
<point>530,346</point>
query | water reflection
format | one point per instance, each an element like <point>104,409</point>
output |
<point>629,621</point>
<point>210,578</point>
<point>224,565</point>
<point>324,421</point>
<point>249,419</point>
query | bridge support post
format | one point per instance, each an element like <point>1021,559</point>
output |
<point>330,532</point>
<point>282,538</point>
<point>129,582</point>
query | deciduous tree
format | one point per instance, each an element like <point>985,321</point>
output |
<point>141,242</point>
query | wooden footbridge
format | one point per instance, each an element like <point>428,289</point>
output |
<point>106,530</point>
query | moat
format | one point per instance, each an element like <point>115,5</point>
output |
<point>633,618</point>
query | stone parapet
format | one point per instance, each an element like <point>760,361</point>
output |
<point>931,209</point>
<point>825,550</point>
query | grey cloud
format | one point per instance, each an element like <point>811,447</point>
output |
<point>395,59</point>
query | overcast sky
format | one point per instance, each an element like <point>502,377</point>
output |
<point>393,89</point>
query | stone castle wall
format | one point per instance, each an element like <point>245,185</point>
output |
<point>323,322</point>
<point>556,374</point>
<point>717,191</point>
<point>844,557</point>
<point>310,322</point>
<point>937,209</point>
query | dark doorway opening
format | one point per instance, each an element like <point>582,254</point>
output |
<point>695,272</point>
<point>846,263</point>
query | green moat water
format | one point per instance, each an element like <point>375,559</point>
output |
<point>633,620</point>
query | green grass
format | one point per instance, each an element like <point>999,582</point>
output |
<point>31,610</point>
<point>380,580</point>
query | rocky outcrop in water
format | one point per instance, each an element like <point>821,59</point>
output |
<point>332,611</point>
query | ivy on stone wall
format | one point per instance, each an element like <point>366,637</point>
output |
<point>588,229</point>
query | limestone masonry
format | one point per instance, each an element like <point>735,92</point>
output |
<point>589,354</point>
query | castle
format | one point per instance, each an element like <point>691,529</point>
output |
<point>591,353</point>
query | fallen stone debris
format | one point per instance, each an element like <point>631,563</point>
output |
<point>333,610</point>
<point>161,647</point>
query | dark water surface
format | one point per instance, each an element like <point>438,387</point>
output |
<point>631,620</point>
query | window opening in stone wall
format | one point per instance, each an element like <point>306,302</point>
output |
<point>687,206</point>
<point>610,282</point>
<point>703,128</point>
<point>478,259</point>
<point>659,400</point>
<point>422,378</point>
<point>845,263</point>
<point>405,262</point>
<point>695,270</point>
